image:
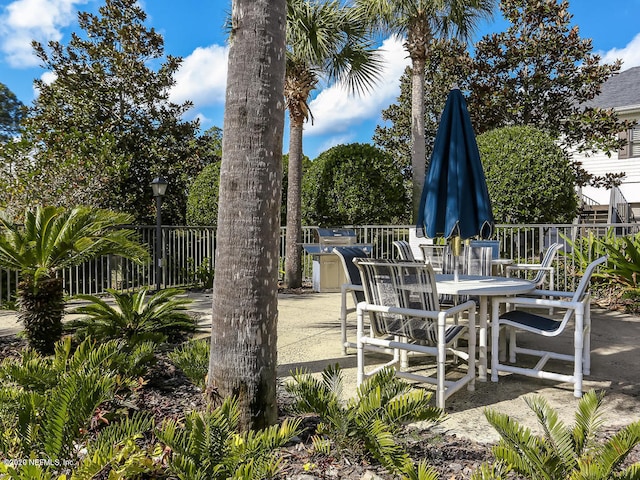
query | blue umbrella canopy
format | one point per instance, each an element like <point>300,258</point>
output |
<point>455,200</point>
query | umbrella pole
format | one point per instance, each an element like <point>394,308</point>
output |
<point>457,249</point>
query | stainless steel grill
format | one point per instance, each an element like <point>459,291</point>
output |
<point>328,274</point>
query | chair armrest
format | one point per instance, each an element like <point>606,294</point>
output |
<point>528,266</point>
<point>351,286</point>
<point>536,302</point>
<point>412,312</point>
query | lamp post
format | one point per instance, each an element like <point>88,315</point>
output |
<point>159,186</point>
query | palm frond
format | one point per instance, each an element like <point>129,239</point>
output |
<point>617,448</point>
<point>559,439</point>
<point>588,421</point>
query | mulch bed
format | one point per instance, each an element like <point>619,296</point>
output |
<point>167,393</point>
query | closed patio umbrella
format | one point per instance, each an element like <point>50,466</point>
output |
<point>455,201</point>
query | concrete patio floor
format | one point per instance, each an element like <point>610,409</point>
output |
<point>309,339</point>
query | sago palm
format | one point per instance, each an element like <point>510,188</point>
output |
<point>325,40</point>
<point>369,421</point>
<point>51,240</point>
<point>133,316</point>
<point>561,452</point>
<point>420,22</point>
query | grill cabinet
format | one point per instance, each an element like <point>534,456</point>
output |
<point>328,274</point>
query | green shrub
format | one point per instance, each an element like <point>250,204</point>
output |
<point>368,422</point>
<point>202,202</point>
<point>208,445</point>
<point>355,184</point>
<point>47,403</point>
<point>561,452</point>
<point>193,359</point>
<point>529,177</point>
<point>133,317</point>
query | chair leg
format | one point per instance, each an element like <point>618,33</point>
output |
<point>512,344</point>
<point>495,341</point>
<point>343,320</point>
<point>440,367</point>
<point>578,337</point>
<point>360,346</point>
<point>586,367</point>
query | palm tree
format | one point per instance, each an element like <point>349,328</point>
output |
<point>420,22</point>
<point>324,40</point>
<point>243,356</point>
<point>51,240</point>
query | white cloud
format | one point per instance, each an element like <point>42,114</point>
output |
<point>336,111</point>
<point>202,77</point>
<point>27,20</point>
<point>630,54</point>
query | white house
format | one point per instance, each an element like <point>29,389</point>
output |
<point>622,93</point>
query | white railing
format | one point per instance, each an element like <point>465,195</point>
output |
<point>189,254</point>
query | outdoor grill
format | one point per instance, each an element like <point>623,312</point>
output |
<point>328,274</point>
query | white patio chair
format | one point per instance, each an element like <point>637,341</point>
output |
<point>576,305</point>
<point>543,268</point>
<point>402,302</point>
<point>353,285</point>
<point>404,250</point>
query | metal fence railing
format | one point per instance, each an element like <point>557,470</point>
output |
<point>189,252</point>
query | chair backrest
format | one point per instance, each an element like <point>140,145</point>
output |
<point>351,272</point>
<point>433,254</point>
<point>404,285</point>
<point>404,250</point>
<point>478,260</point>
<point>581,289</point>
<point>547,260</point>
<point>474,260</point>
<point>494,244</point>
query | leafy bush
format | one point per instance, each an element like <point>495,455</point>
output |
<point>202,202</point>
<point>193,359</point>
<point>208,445</point>
<point>134,318</point>
<point>367,422</point>
<point>561,452</point>
<point>47,403</point>
<point>529,177</point>
<point>354,184</point>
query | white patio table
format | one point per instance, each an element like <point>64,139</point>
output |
<point>483,288</point>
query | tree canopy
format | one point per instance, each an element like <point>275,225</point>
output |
<point>529,177</point>
<point>355,184</point>
<point>447,66</point>
<point>104,127</point>
<point>538,73</point>
<point>11,111</point>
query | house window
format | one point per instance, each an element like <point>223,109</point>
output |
<point>632,148</point>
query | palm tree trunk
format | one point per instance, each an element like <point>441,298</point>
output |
<point>418,160</point>
<point>243,357</point>
<point>40,309</point>
<point>292,264</point>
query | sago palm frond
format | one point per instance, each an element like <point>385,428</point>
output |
<point>562,453</point>
<point>209,446</point>
<point>312,395</point>
<point>133,318</point>
<point>31,371</point>
<point>559,439</point>
<point>420,471</point>
<point>588,421</point>
<point>615,450</point>
<point>71,406</point>
<point>102,451</point>
<point>518,446</point>
<point>193,359</point>
<point>412,406</point>
<point>381,443</point>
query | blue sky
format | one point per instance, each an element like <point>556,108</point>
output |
<point>193,29</point>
